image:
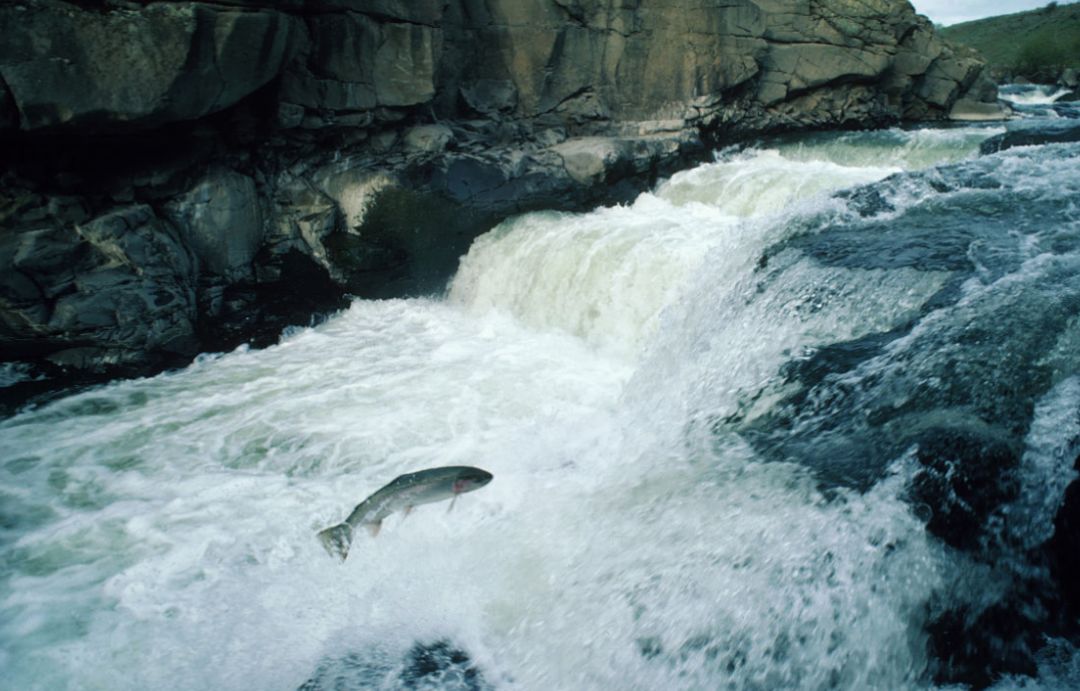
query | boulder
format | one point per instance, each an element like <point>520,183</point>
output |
<point>1033,133</point>
<point>588,160</point>
<point>428,139</point>
<point>1070,78</point>
<point>220,219</point>
<point>970,110</point>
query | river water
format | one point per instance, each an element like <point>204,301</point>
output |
<point>731,428</point>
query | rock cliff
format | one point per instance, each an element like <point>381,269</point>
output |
<point>183,176</point>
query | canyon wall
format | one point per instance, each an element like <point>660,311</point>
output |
<point>179,177</point>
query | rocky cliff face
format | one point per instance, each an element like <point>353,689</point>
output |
<point>181,176</point>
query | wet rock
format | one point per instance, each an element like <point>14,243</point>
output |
<point>965,475</point>
<point>436,666</point>
<point>440,665</point>
<point>1033,133</point>
<point>970,110</point>
<point>1064,549</point>
<point>842,412</point>
<point>977,648</point>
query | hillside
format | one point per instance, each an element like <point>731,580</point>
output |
<point>1036,44</point>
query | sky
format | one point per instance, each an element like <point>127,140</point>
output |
<point>953,11</point>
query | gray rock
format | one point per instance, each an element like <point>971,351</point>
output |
<point>970,110</point>
<point>221,221</point>
<point>429,12</point>
<point>584,64</point>
<point>1033,133</point>
<point>1070,78</point>
<point>164,63</point>
<point>117,291</point>
<point>358,62</point>
<point>405,64</point>
<point>490,96</point>
<point>588,160</point>
<point>304,216</point>
<point>290,115</point>
<point>9,114</point>
<point>428,139</point>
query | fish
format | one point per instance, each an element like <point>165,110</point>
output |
<point>402,494</point>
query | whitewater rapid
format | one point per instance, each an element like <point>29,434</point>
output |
<point>159,533</point>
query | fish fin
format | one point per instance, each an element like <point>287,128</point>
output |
<point>452,504</point>
<point>336,539</point>
<point>373,528</point>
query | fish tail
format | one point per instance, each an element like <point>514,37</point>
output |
<point>336,539</point>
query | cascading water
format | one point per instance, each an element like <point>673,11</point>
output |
<point>731,427</point>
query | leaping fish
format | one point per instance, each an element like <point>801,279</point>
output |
<point>403,493</point>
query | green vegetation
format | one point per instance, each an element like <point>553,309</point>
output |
<point>1036,45</point>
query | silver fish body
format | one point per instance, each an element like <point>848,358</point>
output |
<point>402,494</point>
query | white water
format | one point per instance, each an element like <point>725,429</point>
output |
<point>1034,94</point>
<point>160,533</point>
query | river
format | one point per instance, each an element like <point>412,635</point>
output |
<point>796,418</point>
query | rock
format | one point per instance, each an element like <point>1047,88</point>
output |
<point>405,64</point>
<point>221,221</point>
<point>579,64</point>
<point>969,110</point>
<point>1070,78</point>
<point>428,139</point>
<point>164,63</point>
<point>1064,548</point>
<point>429,12</point>
<point>358,62</point>
<point>965,475</point>
<point>436,665</point>
<point>290,115</point>
<point>9,114</point>
<point>976,648</point>
<point>258,129</point>
<point>588,160</point>
<point>1033,133</point>
<point>490,96</point>
<point>113,294</point>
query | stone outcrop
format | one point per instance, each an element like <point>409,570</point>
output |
<point>183,176</point>
<point>64,66</point>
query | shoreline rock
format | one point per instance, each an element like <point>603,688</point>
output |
<point>290,154</point>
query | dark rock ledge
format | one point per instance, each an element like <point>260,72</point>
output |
<point>177,177</point>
